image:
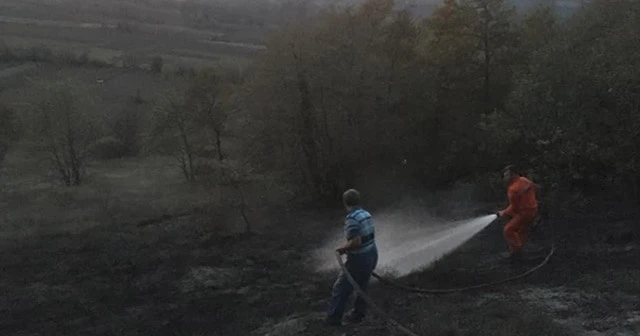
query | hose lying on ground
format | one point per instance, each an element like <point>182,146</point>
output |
<point>468,288</point>
<point>480,286</point>
<point>399,326</point>
<point>370,302</point>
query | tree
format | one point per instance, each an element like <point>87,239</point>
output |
<point>468,47</point>
<point>175,129</point>
<point>186,122</point>
<point>574,112</point>
<point>336,95</point>
<point>539,29</point>
<point>237,177</point>
<point>496,39</point>
<point>64,128</point>
<point>205,99</point>
<point>479,38</point>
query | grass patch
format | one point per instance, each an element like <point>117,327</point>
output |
<point>121,191</point>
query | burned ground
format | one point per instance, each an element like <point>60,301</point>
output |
<point>178,278</point>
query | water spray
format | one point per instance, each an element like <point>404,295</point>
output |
<point>446,242</point>
<point>423,251</point>
<point>414,241</point>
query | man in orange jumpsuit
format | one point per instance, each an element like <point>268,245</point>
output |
<point>523,210</point>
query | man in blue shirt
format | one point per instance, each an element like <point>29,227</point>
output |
<point>362,259</point>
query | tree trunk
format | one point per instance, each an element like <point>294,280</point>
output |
<point>74,161</point>
<point>487,71</point>
<point>487,18</point>
<point>216,125</point>
<point>309,146</point>
<point>183,164</point>
<point>313,139</point>
<point>187,151</point>
<point>243,206</point>
<point>57,160</point>
<point>219,144</point>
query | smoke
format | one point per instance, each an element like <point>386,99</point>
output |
<point>409,239</point>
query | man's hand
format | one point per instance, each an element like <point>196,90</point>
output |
<point>499,214</point>
<point>352,244</point>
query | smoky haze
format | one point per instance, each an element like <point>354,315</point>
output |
<point>409,237</point>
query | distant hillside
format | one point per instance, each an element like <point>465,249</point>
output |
<point>425,7</point>
<point>227,20</point>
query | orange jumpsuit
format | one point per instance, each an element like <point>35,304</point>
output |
<point>523,208</point>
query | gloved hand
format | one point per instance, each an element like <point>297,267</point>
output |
<point>499,214</point>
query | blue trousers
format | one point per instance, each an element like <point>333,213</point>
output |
<point>360,266</point>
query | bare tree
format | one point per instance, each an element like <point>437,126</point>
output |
<point>204,98</point>
<point>64,128</point>
<point>187,121</point>
<point>174,128</point>
<point>237,177</point>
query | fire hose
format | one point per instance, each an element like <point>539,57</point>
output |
<point>468,288</point>
<point>395,284</point>
<point>370,302</point>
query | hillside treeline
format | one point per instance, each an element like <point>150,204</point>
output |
<point>354,93</point>
<point>459,95</point>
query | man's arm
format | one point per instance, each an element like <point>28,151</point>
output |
<point>509,210</point>
<point>351,244</point>
<point>353,236</point>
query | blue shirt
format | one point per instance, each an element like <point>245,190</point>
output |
<point>360,223</point>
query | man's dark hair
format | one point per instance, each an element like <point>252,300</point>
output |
<point>351,198</point>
